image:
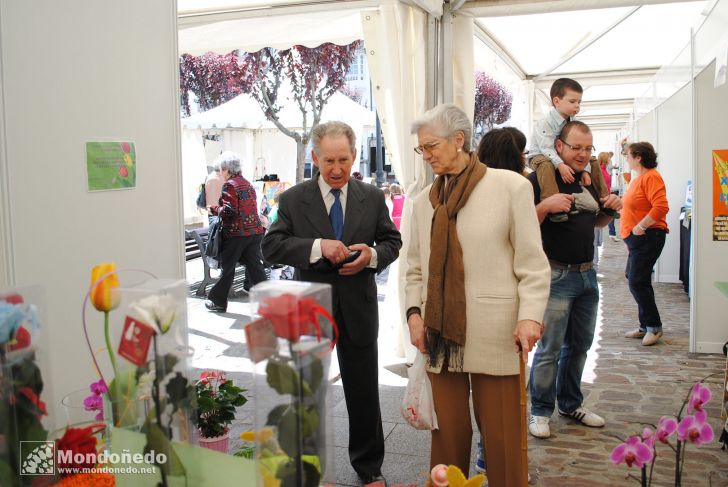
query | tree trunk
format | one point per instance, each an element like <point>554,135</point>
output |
<point>300,159</point>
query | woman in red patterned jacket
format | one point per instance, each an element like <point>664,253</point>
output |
<point>242,232</point>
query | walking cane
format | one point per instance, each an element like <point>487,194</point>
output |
<point>524,437</point>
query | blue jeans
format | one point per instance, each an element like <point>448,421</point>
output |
<point>644,250</point>
<point>612,230</point>
<point>570,319</point>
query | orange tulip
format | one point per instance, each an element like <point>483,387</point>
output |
<point>103,296</point>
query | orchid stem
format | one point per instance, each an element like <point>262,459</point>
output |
<point>112,355</point>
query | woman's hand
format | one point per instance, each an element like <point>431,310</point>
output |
<point>638,230</point>
<point>417,331</point>
<point>526,334</point>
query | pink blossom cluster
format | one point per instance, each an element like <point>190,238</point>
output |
<point>95,402</point>
<point>639,450</point>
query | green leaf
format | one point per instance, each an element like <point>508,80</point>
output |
<point>287,434</point>
<point>7,476</point>
<point>177,391</point>
<point>314,373</point>
<point>158,441</point>
<point>310,421</point>
<point>281,377</point>
<point>275,415</point>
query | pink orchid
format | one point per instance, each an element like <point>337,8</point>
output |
<point>99,387</point>
<point>695,429</point>
<point>665,428</point>
<point>648,437</point>
<point>699,395</point>
<point>632,452</point>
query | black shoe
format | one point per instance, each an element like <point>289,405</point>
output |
<point>370,479</point>
<point>610,212</point>
<point>214,307</point>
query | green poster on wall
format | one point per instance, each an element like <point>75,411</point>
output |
<point>110,165</point>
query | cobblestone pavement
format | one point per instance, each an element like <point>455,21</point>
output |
<point>625,382</point>
<point>630,385</point>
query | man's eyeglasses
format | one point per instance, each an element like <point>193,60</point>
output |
<point>420,149</point>
<point>577,148</point>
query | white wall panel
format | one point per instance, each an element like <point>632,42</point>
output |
<point>674,155</point>
<point>75,71</point>
<point>710,321</point>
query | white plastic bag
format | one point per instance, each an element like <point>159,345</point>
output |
<point>418,408</point>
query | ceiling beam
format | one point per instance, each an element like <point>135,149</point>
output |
<point>617,104</point>
<point>609,77</point>
<point>500,8</point>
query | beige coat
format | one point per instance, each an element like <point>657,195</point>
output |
<point>507,275</point>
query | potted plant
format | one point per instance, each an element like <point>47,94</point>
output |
<point>217,398</point>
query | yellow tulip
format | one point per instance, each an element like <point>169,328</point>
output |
<point>103,296</point>
<point>248,436</point>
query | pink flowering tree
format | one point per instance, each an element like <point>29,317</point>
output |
<point>212,78</point>
<point>641,450</point>
<point>314,75</point>
<point>493,103</point>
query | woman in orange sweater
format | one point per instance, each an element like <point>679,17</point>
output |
<point>643,229</point>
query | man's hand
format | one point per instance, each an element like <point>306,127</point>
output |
<point>360,263</point>
<point>612,201</point>
<point>558,203</point>
<point>567,174</point>
<point>585,179</point>
<point>334,250</point>
<point>526,334</point>
<point>417,331</point>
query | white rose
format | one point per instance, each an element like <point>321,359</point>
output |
<point>157,310</point>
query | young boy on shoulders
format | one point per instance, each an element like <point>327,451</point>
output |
<point>566,100</point>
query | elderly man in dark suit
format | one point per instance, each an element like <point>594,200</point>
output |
<point>322,225</point>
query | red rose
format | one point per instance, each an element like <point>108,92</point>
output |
<point>22,340</point>
<point>78,440</point>
<point>13,298</point>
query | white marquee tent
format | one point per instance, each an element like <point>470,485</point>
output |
<point>242,127</point>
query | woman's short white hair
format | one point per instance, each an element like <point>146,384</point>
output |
<point>446,120</point>
<point>231,161</point>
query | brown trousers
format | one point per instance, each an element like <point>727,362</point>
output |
<point>546,175</point>
<point>496,403</point>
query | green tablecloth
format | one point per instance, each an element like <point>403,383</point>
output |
<point>203,466</point>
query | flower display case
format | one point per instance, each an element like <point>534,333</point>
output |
<point>146,364</point>
<point>290,341</point>
<point>22,407</point>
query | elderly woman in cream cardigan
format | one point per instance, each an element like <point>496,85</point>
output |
<point>477,287</point>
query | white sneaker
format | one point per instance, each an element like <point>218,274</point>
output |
<point>585,417</point>
<point>614,238</point>
<point>538,426</point>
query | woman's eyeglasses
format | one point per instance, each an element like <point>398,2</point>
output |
<point>420,149</point>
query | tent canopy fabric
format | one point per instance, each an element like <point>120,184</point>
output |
<point>252,34</point>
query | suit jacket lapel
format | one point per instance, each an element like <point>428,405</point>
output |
<point>316,211</point>
<point>354,210</point>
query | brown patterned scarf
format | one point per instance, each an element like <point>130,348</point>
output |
<point>445,315</point>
